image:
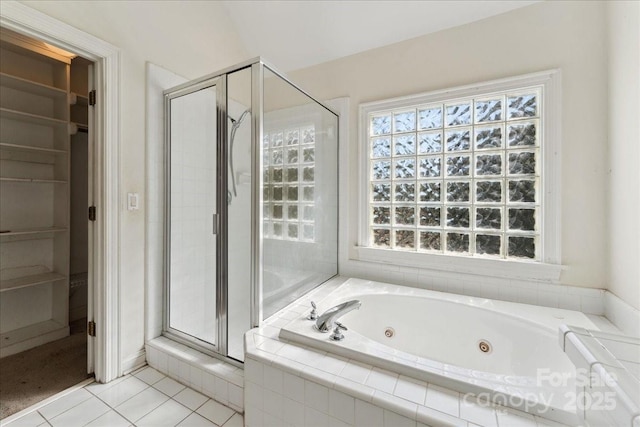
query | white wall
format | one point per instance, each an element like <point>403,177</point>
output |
<point>189,38</point>
<point>623,18</point>
<point>546,35</point>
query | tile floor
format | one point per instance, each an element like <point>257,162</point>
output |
<point>143,398</point>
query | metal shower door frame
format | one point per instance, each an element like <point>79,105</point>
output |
<point>220,218</point>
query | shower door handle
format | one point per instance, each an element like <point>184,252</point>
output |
<point>215,223</point>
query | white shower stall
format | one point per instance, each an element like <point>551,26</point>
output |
<point>251,203</point>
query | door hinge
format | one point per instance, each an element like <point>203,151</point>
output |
<point>92,213</point>
<point>91,328</point>
<point>92,97</point>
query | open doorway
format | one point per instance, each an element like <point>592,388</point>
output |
<point>103,349</point>
<point>45,176</point>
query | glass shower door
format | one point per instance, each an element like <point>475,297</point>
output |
<point>192,214</point>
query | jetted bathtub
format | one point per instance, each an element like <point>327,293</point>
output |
<point>506,352</point>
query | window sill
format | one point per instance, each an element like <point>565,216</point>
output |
<point>459,264</point>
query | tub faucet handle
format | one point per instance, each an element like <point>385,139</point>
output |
<point>314,314</point>
<point>337,333</point>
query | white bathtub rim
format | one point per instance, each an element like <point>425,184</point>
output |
<point>300,330</point>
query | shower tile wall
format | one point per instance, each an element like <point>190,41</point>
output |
<point>193,245</point>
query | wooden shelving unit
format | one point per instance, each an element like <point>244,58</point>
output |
<point>27,281</point>
<point>34,180</point>
<point>36,230</point>
<point>34,194</point>
<point>35,119</point>
<point>28,86</point>
<point>23,148</point>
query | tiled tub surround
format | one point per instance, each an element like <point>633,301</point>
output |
<point>212,377</point>
<point>610,393</point>
<point>292,384</point>
<point>489,284</point>
<point>450,329</point>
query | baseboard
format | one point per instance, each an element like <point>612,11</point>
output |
<point>621,314</point>
<point>134,362</point>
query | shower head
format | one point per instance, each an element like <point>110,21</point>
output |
<point>235,122</point>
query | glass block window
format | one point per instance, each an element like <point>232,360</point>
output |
<point>289,179</point>
<point>458,176</point>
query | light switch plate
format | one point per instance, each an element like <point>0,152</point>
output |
<point>133,201</point>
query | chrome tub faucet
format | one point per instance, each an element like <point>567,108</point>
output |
<point>326,320</point>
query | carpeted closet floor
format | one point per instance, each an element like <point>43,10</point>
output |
<point>36,374</point>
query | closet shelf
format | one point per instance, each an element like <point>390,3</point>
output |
<point>27,281</point>
<point>35,230</point>
<point>36,331</point>
<point>31,118</point>
<point>33,180</point>
<point>24,85</point>
<point>82,100</point>
<point>30,149</point>
<point>79,127</point>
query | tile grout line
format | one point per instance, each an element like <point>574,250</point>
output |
<point>117,412</point>
<point>37,406</point>
<point>68,409</point>
<point>131,397</point>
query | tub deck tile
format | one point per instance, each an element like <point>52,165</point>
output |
<point>396,404</point>
<point>268,331</point>
<point>356,371</point>
<point>434,418</point>
<point>321,377</point>
<point>543,422</point>
<point>391,419</point>
<point>332,364</point>
<point>382,380</point>
<point>270,345</point>
<point>481,413</point>
<point>511,419</point>
<point>300,354</point>
<point>411,390</point>
<point>443,400</point>
<point>357,390</point>
<point>289,365</point>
